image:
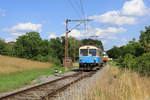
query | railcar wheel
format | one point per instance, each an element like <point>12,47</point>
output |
<point>80,67</point>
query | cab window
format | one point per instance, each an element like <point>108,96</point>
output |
<point>92,52</point>
<point>83,52</point>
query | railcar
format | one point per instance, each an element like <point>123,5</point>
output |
<point>105,57</point>
<point>90,57</point>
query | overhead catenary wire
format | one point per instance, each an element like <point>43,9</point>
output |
<point>78,8</point>
<point>83,14</point>
<point>76,26</point>
<point>82,9</point>
<point>74,8</point>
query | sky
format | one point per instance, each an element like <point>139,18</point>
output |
<point>114,22</point>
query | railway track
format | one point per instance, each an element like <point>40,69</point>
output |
<point>47,90</point>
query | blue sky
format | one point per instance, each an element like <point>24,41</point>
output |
<point>115,21</point>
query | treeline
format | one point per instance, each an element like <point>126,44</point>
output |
<point>135,55</point>
<point>31,46</point>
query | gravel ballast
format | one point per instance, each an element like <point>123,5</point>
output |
<point>78,91</point>
<point>74,92</point>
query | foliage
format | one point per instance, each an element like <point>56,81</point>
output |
<point>143,64</point>
<point>91,41</point>
<point>31,46</point>
<point>133,47</point>
<point>4,49</point>
<point>128,61</point>
<point>145,38</point>
<point>28,45</point>
<point>114,53</point>
<point>58,47</point>
<point>134,55</point>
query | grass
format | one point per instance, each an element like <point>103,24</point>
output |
<point>115,85</point>
<point>16,80</point>
<point>19,79</point>
<point>120,85</point>
<point>12,64</point>
<point>126,85</point>
<point>16,72</point>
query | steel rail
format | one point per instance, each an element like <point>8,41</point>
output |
<point>54,93</point>
<point>7,96</point>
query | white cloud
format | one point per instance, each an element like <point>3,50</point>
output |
<point>76,33</point>
<point>104,42</point>
<point>108,33</point>
<point>111,37</point>
<point>2,12</point>
<point>128,14</point>
<point>24,27</point>
<point>134,8</point>
<point>21,29</point>
<point>52,35</point>
<point>115,30</point>
<point>114,17</point>
<point>17,34</point>
<point>10,40</point>
<point>123,40</point>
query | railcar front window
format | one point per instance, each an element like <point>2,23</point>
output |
<point>92,52</point>
<point>84,52</point>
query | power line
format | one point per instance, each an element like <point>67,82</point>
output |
<point>82,8</point>
<point>76,26</point>
<point>83,14</point>
<point>76,10</point>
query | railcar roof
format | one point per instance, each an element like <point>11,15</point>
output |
<point>91,45</point>
<point>86,46</point>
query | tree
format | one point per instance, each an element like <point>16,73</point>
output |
<point>91,41</point>
<point>28,45</point>
<point>145,38</point>
<point>134,48</point>
<point>58,47</point>
<point>45,48</point>
<point>115,52</point>
<point>4,50</point>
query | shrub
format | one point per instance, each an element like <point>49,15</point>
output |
<point>47,58</point>
<point>139,64</point>
<point>128,61</point>
<point>143,64</point>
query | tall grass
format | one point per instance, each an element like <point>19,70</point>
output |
<point>113,85</point>
<point>12,64</point>
<point>16,72</point>
<point>116,85</point>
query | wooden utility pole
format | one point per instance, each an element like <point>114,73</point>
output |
<point>66,45</point>
<point>66,38</point>
<point>74,50</point>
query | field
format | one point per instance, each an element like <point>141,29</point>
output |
<point>16,72</point>
<point>115,84</point>
<point>120,85</point>
<point>12,64</point>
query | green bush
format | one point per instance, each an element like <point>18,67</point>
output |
<point>139,64</point>
<point>128,61</point>
<point>143,64</point>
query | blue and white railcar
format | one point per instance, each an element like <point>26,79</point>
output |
<point>90,57</point>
